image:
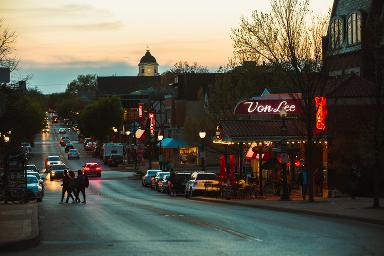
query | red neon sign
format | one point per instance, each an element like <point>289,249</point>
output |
<point>321,113</point>
<point>152,123</point>
<point>140,110</point>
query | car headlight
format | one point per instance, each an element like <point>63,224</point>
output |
<point>53,173</point>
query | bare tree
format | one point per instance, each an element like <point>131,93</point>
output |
<point>289,38</point>
<point>7,43</point>
<point>183,67</point>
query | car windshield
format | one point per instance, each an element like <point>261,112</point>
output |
<point>53,158</point>
<point>152,173</point>
<point>30,167</point>
<point>116,156</point>
<point>73,151</point>
<point>162,174</point>
<point>92,165</point>
<point>31,179</point>
<point>35,174</point>
<point>58,167</point>
<point>206,176</point>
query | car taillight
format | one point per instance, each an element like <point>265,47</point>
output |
<point>98,168</point>
<point>86,169</point>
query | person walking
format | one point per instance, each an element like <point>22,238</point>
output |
<point>82,183</point>
<point>303,182</point>
<point>71,187</point>
<point>65,185</point>
<point>172,183</point>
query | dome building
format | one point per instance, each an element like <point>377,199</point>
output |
<point>148,65</point>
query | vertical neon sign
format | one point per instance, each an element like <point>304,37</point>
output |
<point>152,123</point>
<point>140,110</point>
<point>321,113</point>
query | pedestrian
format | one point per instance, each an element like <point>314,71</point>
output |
<point>71,187</point>
<point>65,185</point>
<point>303,182</point>
<point>172,183</point>
<point>319,180</point>
<point>82,183</point>
<point>355,176</point>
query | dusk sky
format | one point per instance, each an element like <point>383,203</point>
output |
<point>59,39</point>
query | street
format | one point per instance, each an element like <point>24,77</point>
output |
<point>123,218</point>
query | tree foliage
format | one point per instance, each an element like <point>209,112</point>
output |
<point>289,39</point>
<point>24,116</point>
<point>7,47</point>
<point>183,67</point>
<point>82,83</point>
<point>98,118</point>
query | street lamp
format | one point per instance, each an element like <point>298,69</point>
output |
<point>283,115</point>
<point>114,129</point>
<point>160,138</point>
<point>202,135</point>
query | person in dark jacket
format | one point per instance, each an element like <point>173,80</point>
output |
<point>82,183</point>
<point>66,186</point>
<point>72,187</point>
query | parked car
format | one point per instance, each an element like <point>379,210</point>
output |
<point>73,154</point>
<point>39,178</point>
<point>155,179</point>
<point>64,140</point>
<point>162,184</point>
<point>201,182</point>
<point>146,180</point>
<point>68,146</point>
<point>51,160</point>
<point>92,169</point>
<point>34,187</point>
<point>181,179</point>
<point>114,160</point>
<point>56,171</point>
<point>32,167</point>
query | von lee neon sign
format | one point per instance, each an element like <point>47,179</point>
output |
<point>249,107</point>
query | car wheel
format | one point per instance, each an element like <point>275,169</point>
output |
<point>40,199</point>
<point>50,178</point>
<point>99,175</point>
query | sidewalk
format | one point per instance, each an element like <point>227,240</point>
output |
<point>359,209</point>
<point>19,226</point>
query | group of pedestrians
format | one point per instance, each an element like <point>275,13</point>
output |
<point>73,185</point>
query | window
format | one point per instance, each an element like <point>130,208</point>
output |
<point>336,33</point>
<point>354,28</point>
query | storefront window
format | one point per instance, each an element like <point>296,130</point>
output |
<point>188,155</point>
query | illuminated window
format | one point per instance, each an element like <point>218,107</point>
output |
<point>336,33</point>
<point>354,28</point>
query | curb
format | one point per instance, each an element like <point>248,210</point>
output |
<point>290,210</point>
<point>32,241</point>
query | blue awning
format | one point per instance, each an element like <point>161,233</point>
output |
<point>172,143</point>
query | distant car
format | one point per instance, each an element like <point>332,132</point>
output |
<point>114,160</point>
<point>62,131</point>
<point>198,183</point>
<point>52,160</point>
<point>90,146</point>
<point>180,181</point>
<point>158,176</point>
<point>146,180</point>
<point>73,154</point>
<point>45,129</point>
<point>34,187</point>
<point>56,171</point>
<point>92,169</point>
<point>64,140</point>
<point>68,146</point>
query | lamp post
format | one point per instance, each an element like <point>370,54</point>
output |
<point>202,135</point>
<point>160,138</point>
<point>283,115</point>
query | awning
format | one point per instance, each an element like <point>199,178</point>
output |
<point>172,143</point>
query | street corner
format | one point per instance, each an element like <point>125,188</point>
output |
<point>20,226</point>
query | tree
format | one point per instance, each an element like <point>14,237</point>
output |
<point>286,41</point>
<point>7,42</point>
<point>82,83</point>
<point>183,67</point>
<point>98,118</point>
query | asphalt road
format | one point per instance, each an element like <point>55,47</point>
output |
<point>123,218</point>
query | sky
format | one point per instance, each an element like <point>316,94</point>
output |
<point>60,39</point>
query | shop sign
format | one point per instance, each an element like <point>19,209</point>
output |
<point>272,107</point>
<point>140,110</point>
<point>152,123</point>
<point>321,113</point>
